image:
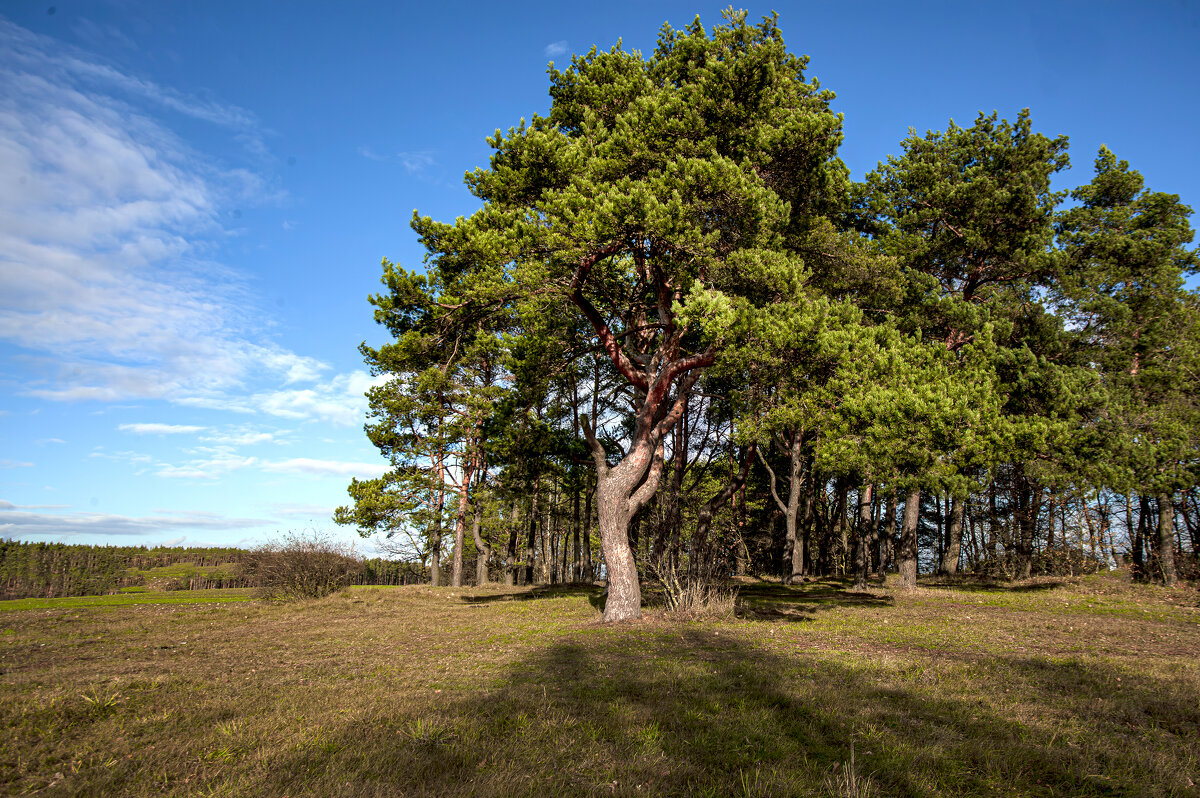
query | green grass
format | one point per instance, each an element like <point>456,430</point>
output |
<point>128,597</point>
<point>1075,687</point>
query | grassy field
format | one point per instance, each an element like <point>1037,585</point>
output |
<point>1072,687</point>
<point>130,596</point>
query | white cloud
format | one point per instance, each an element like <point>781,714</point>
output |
<point>19,522</point>
<point>306,511</point>
<point>305,465</point>
<point>133,458</point>
<point>340,401</point>
<point>160,429</point>
<point>555,49</point>
<point>107,219</point>
<point>15,464</point>
<point>242,436</point>
<point>415,161</point>
<point>212,468</point>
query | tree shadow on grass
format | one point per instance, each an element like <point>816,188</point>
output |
<point>991,585</point>
<point>535,592</point>
<point>646,709</point>
<point>801,602</point>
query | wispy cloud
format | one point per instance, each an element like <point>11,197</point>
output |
<point>15,464</point>
<point>138,460</point>
<point>305,465</point>
<point>107,219</point>
<point>242,436</point>
<point>340,401</point>
<point>19,521</point>
<point>309,511</point>
<point>555,49</point>
<point>210,468</point>
<point>413,161</point>
<point>160,429</point>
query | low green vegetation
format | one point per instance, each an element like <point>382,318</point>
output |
<point>1086,686</point>
<point>128,597</point>
<point>55,570</point>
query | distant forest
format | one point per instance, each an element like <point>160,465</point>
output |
<point>52,570</point>
<point>677,338</point>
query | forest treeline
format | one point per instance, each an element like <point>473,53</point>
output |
<point>679,340</point>
<point>57,569</point>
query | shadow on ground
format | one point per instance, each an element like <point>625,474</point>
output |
<point>647,709</point>
<point>770,601</point>
<point>535,592</point>
<point>970,583</point>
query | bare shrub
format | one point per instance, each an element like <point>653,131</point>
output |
<point>698,599</point>
<point>693,596</point>
<point>301,565</point>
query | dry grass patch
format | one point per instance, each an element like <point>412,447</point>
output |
<point>416,691</point>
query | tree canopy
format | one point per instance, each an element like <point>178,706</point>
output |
<point>675,320</point>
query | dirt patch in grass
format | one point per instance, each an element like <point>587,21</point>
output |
<point>1069,690</point>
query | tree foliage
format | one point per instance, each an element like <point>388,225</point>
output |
<point>672,276</point>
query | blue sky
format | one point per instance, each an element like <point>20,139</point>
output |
<point>195,199</point>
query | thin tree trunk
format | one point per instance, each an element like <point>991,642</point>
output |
<point>708,510</point>
<point>1134,532</point>
<point>510,562</point>
<point>531,534</point>
<point>460,522</point>
<point>842,486</point>
<point>1025,519</point>
<point>862,537</point>
<point>908,539</point>
<point>1166,539</point>
<point>588,573</point>
<point>576,523</point>
<point>1143,539</point>
<point>804,532</point>
<point>793,552</point>
<point>953,537</point>
<point>435,537</point>
<point>888,556</point>
<point>482,551</point>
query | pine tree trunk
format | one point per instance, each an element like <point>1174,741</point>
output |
<point>482,551</point>
<point>908,539</point>
<point>1026,519</point>
<point>793,551</point>
<point>862,537</point>
<point>613,492</point>
<point>531,535</point>
<point>510,561</point>
<point>708,510</point>
<point>842,486</point>
<point>588,572</point>
<point>460,525</point>
<point>888,556</point>
<point>953,537</point>
<point>576,523</point>
<point>1166,539</point>
<point>1139,537</point>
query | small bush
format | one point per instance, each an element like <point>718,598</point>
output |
<point>1065,562</point>
<point>701,599</point>
<point>302,565</point>
<point>693,596</point>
